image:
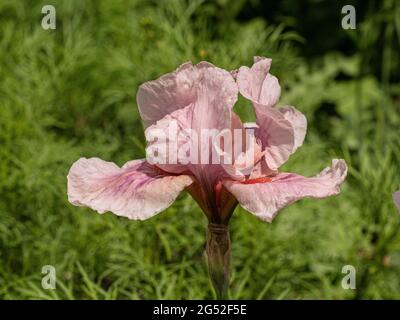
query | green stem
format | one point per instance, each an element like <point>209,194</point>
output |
<point>219,255</point>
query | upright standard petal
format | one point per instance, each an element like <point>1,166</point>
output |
<point>170,143</point>
<point>202,84</point>
<point>170,92</point>
<point>137,190</point>
<point>298,122</point>
<point>216,95</point>
<point>212,113</point>
<point>246,151</point>
<point>396,199</point>
<point>276,130</point>
<point>206,117</point>
<point>266,196</point>
<point>276,135</point>
<point>258,85</point>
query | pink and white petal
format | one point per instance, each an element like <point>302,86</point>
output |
<point>261,170</point>
<point>298,122</point>
<point>245,162</point>
<point>270,92</point>
<point>265,199</point>
<point>216,95</point>
<point>183,87</point>
<point>396,199</point>
<point>137,191</point>
<point>167,137</point>
<point>168,93</point>
<point>212,111</point>
<point>245,149</point>
<point>275,131</point>
<point>258,85</point>
<point>250,80</point>
<point>209,94</point>
<point>276,135</point>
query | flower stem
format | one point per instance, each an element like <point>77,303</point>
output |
<point>219,255</point>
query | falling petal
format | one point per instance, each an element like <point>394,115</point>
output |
<point>137,191</point>
<point>265,198</point>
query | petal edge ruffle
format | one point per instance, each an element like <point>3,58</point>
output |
<point>264,200</point>
<point>137,191</point>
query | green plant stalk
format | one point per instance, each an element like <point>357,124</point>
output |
<point>219,255</point>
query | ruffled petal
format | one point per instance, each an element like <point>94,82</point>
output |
<point>168,138</point>
<point>246,151</point>
<point>210,88</point>
<point>137,191</point>
<point>298,122</point>
<point>266,196</point>
<point>396,199</point>
<point>212,111</point>
<point>170,92</point>
<point>258,85</point>
<point>261,170</point>
<point>216,95</point>
<point>276,127</point>
<point>276,135</point>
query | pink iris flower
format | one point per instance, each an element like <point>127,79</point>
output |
<point>198,97</point>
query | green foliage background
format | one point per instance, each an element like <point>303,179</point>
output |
<point>70,92</point>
